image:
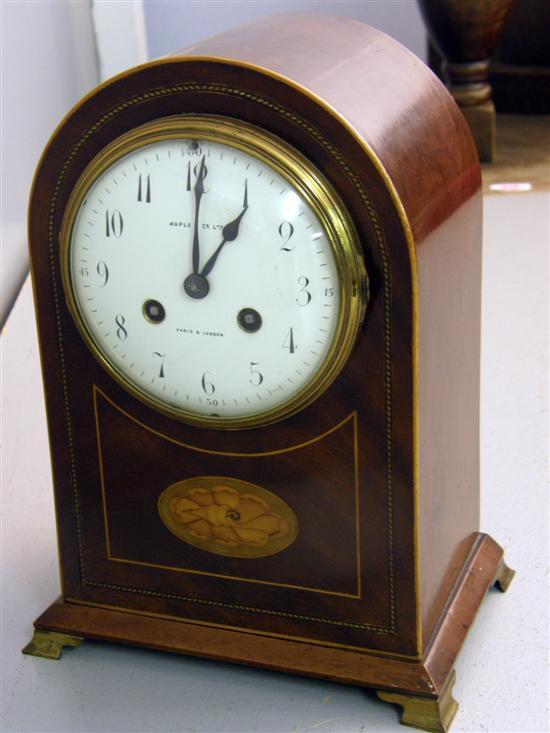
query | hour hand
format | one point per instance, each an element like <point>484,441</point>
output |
<point>229,234</point>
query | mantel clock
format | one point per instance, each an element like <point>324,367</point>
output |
<point>257,279</point>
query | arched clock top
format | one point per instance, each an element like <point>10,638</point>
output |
<point>381,91</point>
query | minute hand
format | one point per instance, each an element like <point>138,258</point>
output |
<point>229,234</point>
<point>199,191</point>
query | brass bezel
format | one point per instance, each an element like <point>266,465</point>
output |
<point>319,195</point>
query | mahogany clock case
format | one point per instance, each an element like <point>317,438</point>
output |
<point>381,470</point>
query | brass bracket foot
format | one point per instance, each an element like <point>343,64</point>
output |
<point>503,577</point>
<point>426,713</point>
<point>49,644</point>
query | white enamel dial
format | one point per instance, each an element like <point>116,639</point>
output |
<point>204,278</point>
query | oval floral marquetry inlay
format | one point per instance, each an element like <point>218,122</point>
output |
<point>228,516</point>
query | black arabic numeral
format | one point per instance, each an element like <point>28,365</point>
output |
<point>162,357</point>
<point>289,342</point>
<point>144,195</point>
<point>286,230</point>
<point>121,331</point>
<point>103,271</point>
<point>207,386</point>
<point>194,148</point>
<point>193,171</point>
<point>304,296</point>
<point>196,169</point>
<point>256,377</point>
<point>114,224</point>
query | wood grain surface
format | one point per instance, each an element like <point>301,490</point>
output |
<point>390,503</point>
<point>427,677</point>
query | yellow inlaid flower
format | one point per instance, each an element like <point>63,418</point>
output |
<point>227,516</point>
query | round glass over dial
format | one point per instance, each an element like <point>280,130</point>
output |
<point>212,271</point>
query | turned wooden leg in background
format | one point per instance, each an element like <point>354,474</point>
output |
<point>465,33</point>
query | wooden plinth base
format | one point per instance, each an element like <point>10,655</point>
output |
<point>421,687</point>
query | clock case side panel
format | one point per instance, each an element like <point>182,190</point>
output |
<point>408,121</point>
<point>449,402</point>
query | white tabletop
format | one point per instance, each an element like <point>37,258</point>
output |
<point>502,671</point>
